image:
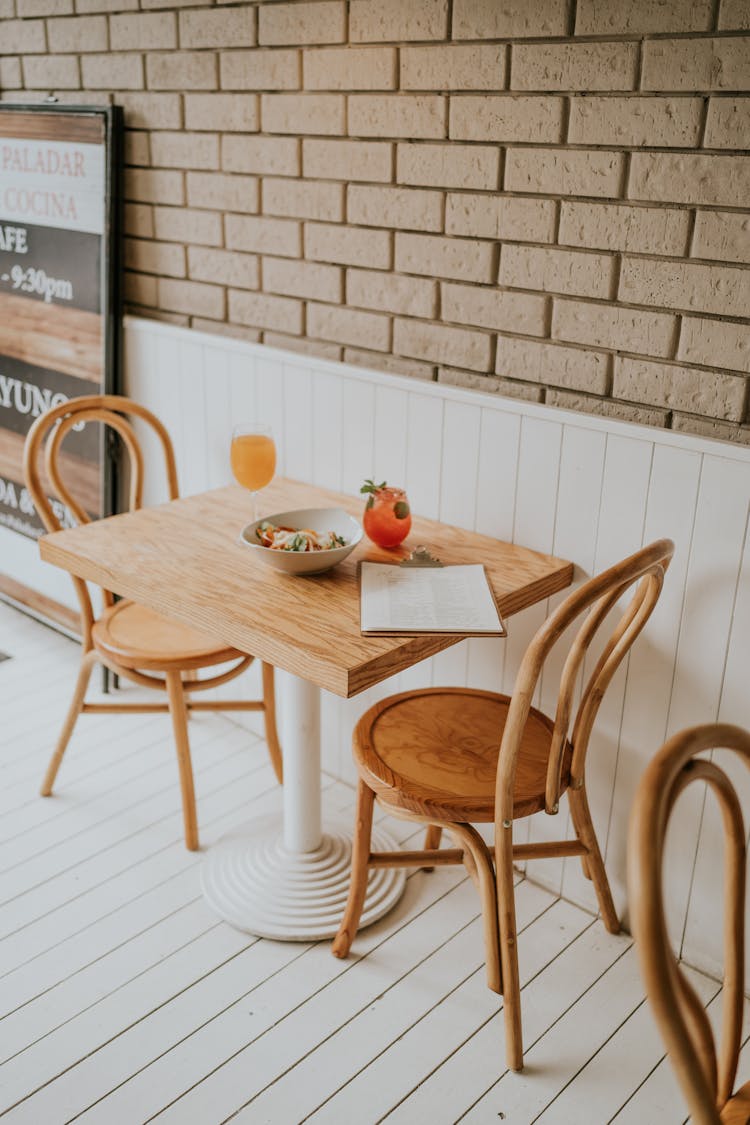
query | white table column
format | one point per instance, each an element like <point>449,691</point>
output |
<point>284,877</point>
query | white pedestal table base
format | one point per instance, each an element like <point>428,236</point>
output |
<point>257,884</point>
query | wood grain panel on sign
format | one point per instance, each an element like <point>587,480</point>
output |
<point>46,335</point>
<point>37,126</point>
<point>184,559</point>
<point>82,477</point>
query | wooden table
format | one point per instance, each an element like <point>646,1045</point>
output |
<point>183,558</point>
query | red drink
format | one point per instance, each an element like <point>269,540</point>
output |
<point>387,518</point>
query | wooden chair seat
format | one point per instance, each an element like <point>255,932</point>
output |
<point>737,1109</point>
<point>140,638</point>
<point>434,753</point>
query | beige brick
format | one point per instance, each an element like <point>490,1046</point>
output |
<point>350,68</point>
<point>715,343</point>
<point>696,64</point>
<point>224,193</point>
<point>303,279</point>
<point>355,246</point>
<point>615,226</point>
<point>232,113</point>
<point>496,309</point>
<point>647,122</point>
<point>191,297</point>
<point>557,271</point>
<point>136,148</point>
<point>151,111</point>
<point>163,258</point>
<point>707,427</point>
<point>260,70</point>
<point>555,172</point>
<point>392,20</point>
<point>77,36</point>
<point>622,411</point>
<point>396,364</point>
<point>574,66</point>
<point>724,235</point>
<point>221,328</point>
<point>489,384</point>
<point>397,115</point>
<point>179,224</point>
<point>728,124</point>
<point>302,199</point>
<point>347,326</point>
<point>442,343</point>
<point>682,285</point>
<point>146,4</point>
<point>409,296</point>
<point>282,25</point>
<point>142,31</point>
<point>538,362</point>
<point>23,37</point>
<point>734,15</point>
<point>144,185</point>
<point>501,216</point>
<point>225,267</point>
<point>608,326</point>
<point>51,72</point>
<point>403,208</point>
<point>140,289</point>
<point>601,17</point>
<point>690,178</point>
<point>185,150</point>
<point>107,5</point>
<point>455,166</point>
<point>263,236</point>
<point>714,393</point>
<point>488,19</point>
<point>217,27</point>
<point>181,319</point>
<point>27,8</point>
<point>347,160</point>
<point>454,66</point>
<point>181,70</point>
<point>139,220</point>
<point>507,118</point>
<point>263,311</point>
<point>112,72</point>
<point>275,156</point>
<point>302,344</point>
<point>435,256</point>
<point>10,74</point>
<point>303,113</point>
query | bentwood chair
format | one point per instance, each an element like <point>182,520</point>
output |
<point>131,640</point>
<point>452,757</point>
<point>707,1081</point>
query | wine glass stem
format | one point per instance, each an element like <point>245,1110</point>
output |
<point>254,499</point>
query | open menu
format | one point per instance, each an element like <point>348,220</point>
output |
<point>412,600</point>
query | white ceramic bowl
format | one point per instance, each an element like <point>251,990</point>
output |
<point>319,520</point>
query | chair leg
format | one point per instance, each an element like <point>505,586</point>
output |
<point>432,838</point>
<point>483,874</point>
<point>269,718</point>
<point>84,675</point>
<point>178,711</point>
<point>358,886</point>
<point>584,827</point>
<point>509,950</point>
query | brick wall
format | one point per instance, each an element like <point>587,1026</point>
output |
<point>543,198</point>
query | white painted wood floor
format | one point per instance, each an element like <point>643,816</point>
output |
<point>124,1000</point>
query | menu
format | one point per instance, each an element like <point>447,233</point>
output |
<point>403,600</point>
<point>57,315</point>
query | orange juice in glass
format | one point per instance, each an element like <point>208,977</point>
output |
<point>253,459</point>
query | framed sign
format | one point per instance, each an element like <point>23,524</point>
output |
<point>59,317</point>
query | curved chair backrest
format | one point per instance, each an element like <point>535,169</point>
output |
<point>599,596</point>
<point>48,434</point>
<point>707,1082</point>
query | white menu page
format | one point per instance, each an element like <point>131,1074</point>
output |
<point>450,599</point>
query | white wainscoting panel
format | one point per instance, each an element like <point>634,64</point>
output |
<point>589,489</point>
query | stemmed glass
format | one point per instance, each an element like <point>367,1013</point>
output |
<point>253,458</point>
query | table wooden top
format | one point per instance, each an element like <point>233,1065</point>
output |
<point>183,559</point>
